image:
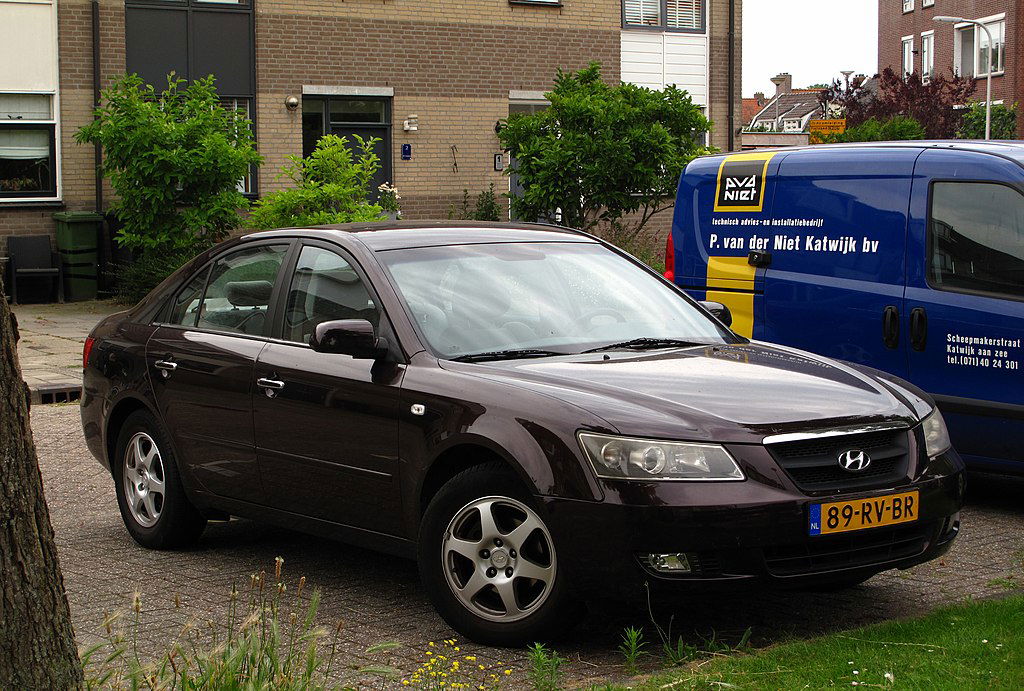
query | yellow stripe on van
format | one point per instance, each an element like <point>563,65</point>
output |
<point>734,273</point>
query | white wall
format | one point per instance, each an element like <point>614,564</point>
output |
<point>28,46</point>
<point>655,59</point>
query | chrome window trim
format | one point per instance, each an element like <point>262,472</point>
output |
<point>835,432</point>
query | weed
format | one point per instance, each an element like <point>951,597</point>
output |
<point>545,668</point>
<point>632,647</point>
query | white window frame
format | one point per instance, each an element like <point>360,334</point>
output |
<point>927,3</point>
<point>905,55</point>
<point>660,22</point>
<point>927,54</point>
<point>908,6</point>
<point>53,120</point>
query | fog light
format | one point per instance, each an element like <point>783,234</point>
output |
<point>675,562</point>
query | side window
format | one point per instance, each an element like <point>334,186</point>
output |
<point>977,238</point>
<point>185,309</point>
<point>238,293</point>
<point>324,287</point>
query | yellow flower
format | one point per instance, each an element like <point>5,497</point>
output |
<point>471,658</point>
<point>405,682</point>
<point>508,672</point>
<point>431,644</point>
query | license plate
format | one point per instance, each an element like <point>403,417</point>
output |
<point>861,514</point>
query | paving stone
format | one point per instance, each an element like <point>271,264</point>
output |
<point>379,598</point>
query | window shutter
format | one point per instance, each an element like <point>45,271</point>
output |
<point>685,14</point>
<point>642,12</point>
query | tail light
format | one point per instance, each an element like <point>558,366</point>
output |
<point>670,258</point>
<point>87,351</point>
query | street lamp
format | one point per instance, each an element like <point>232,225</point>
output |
<point>988,68</point>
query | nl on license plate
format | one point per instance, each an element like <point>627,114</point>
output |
<point>859,514</point>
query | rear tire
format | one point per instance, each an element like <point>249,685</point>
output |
<point>515,595</point>
<point>152,501</point>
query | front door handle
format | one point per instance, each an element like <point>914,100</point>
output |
<point>891,327</point>
<point>270,386</point>
<point>918,328</point>
<point>165,367</point>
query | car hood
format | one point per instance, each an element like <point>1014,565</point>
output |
<point>723,392</point>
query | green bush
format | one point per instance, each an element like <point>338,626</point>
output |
<point>487,206</point>
<point>603,153</point>
<point>134,280</point>
<point>972,124</point>
<point>896,128</point>
<point>174,158</point>
<point>331,185</point>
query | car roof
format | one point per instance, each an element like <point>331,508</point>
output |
<point>1012,149</point>
<point>392,235</point>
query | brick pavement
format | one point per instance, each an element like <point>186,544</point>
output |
<point>380,599</point>
<point>50,349</point>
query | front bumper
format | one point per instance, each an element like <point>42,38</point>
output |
<point>738,533</point>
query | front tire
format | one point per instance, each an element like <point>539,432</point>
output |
<point>152,501</point>
<point>489,563</point>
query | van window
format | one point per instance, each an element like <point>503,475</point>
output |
<point>977,238</point>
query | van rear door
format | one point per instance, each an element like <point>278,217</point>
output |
<point>835,281</point>
<point>965,299</point>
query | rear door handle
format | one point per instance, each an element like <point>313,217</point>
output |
<point>918,328</point>
<point>165,367</point>
<point>891,327</point>
<point>270,386</point>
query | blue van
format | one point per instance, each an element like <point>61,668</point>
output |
<point>903,256</point>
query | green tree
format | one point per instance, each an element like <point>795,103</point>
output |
<point>174,158</point>
<point>602,152</point>
<point>896,128</point>
<point>331,185</point>
<point>972,124</point>
<point>37,644</point>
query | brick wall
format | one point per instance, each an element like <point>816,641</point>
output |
<point>718,72</point>
<point>455,75</point>
<point>894,24</point>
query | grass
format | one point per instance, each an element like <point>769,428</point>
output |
<point>969,646</point>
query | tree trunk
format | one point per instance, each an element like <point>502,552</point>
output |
<point>37,644</point>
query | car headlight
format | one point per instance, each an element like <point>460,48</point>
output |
<point>643,459</point>
<point>936,436</point>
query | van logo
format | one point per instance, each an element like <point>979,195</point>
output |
<point>854,460</point>
<point>741,182</point>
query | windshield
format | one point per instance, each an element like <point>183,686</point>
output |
<point>563,297</point>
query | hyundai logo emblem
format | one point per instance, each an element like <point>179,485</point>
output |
<point>854,460</point>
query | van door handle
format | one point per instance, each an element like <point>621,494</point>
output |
<point>891,327</point>
<point>918,328</point>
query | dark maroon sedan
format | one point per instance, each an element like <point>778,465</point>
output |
<point>533,415</point>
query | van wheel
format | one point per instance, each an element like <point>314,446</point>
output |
<point>153,504</point>
<point>489,563</point>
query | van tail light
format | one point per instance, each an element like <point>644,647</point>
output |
<point>87,351</point>
<point>670,258</point>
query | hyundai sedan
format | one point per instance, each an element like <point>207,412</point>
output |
<point>536,417</point>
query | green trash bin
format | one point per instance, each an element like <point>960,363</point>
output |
<point>78,235</point>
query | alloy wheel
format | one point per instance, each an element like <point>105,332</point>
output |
<point>499,558</point>
<point>144,478</point>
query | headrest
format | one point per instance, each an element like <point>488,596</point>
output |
<point>248,293</point>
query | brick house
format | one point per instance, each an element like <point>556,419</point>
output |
<point>303,68</point>
<point>909,40</point>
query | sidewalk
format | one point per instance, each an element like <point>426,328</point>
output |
<point>50,349</point>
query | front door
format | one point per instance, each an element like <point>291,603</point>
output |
<point>965,301</point>
<point>201,365</point>
<point>327,424</point>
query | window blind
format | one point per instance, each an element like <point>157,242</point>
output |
<point>684,14</point>
<point>642,12</point>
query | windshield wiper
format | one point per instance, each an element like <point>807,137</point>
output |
<point>645,344</point>
<point>512,354</point>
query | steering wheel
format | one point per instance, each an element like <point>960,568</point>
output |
<point>586,319</point>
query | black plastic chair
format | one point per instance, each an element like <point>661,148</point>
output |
<point>30,256</point>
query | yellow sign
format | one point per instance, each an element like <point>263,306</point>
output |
<point>741,179</point>
<point>825,127</point>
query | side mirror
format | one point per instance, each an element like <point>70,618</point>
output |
<point>353,337</point>
<point>718,311</point>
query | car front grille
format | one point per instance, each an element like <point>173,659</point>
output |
<point>849,550</point>
<point>814,463</point>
